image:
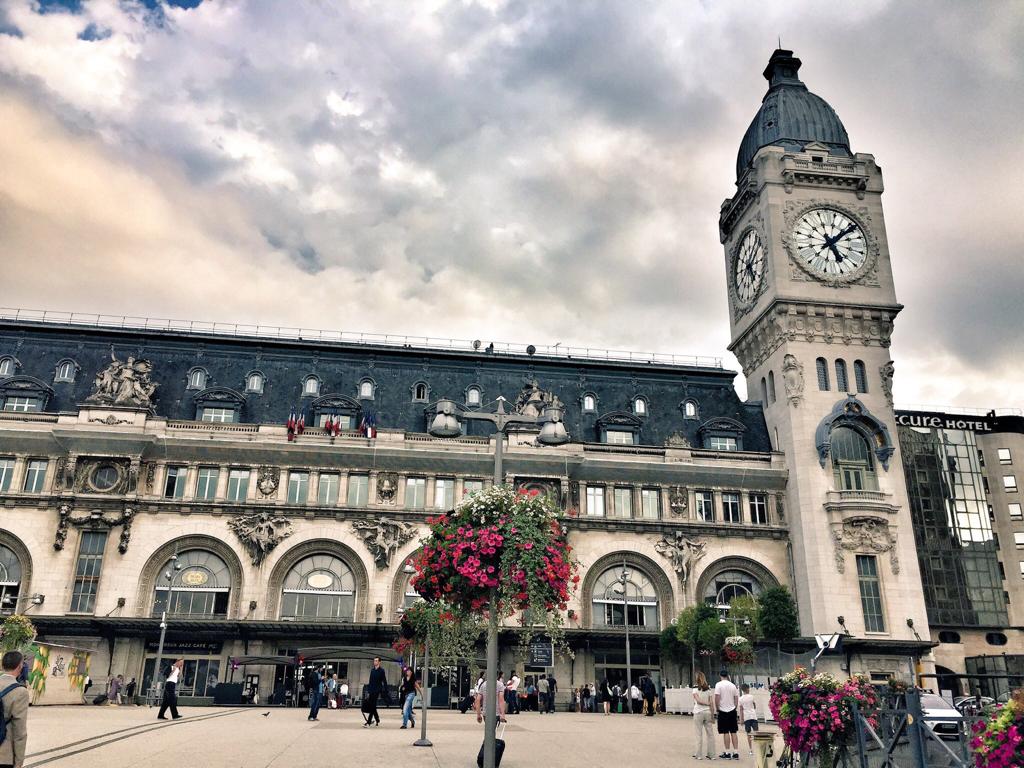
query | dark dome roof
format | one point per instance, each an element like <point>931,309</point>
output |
<point>790,116</point>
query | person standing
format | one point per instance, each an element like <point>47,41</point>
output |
<point>378,684</point>
<point>315,683</point>
<point>748,715</point>
<point>703,713</point>
<point>407,695</point>
<point>726,697</point>
<point>332,692</point>
<point>86,687</point>
<point>542,694</point>
<point>114,690</point>
<point>606,695</point>
<point>15,699</point>
<point>512,694</point>
<point>650,695</point>
<point>634,699</point>
<point>343,694</point>
<point>552,690</point>
<point>170,698</point>
<point>129,691</point>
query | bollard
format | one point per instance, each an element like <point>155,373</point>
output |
<point>762,748</point>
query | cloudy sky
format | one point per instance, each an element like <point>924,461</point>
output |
<point>522,171</point>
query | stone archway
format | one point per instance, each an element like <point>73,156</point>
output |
<point>733,563</point>
<point>156,562</point>
<point>398,582</point>
<point>316,547</point>
<point>662,583</point>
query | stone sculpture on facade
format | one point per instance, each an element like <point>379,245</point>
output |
<point>267,480</point>
<point>124,384</point>
<point>94,520</point>
<point>260,532</point>
<point>887,371</point>
<point>865,534</point>
<point>682,552</point>
<point>383,537</point>
<point>532,400</point>
<point>793,379</point>
<point>677,501</point>
<point>387,487</point>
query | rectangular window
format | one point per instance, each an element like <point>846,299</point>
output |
<point>1004,456</point>
<point>206,483</point>
<point>298,487</point>
<point>35,475</point>
<point>87,571</point>
<point>174,487</point>
<point>23,404</point>
<point>415,492</point>
<point>720,443</point>
<point>705,506</point>
<point>650,502</point>
<point>327,491</point>
<point>984,484</point>
<point>731,508</point>
<point>623,502</point>
<point>219,415</point>
<point>758,509</point>
<point>595,500</point>
<point>6,474</point>
<point>472,486</point>
<point>358,490</point>
<point>444,493</point>
<point>870,593</point>
<point>1022,568</point>
<point>1015,511</point>
<point>238,484</point>
<point>1010,483</point>
<point>1018,539</point>
<point>618,437</point>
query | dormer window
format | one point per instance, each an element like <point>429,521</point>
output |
<point>254,382</point>
<point>24,394</point>
<point>6,366</point>
<point>366,389</point>
<point>619,428</point>
<point>473,396</point>
<point>197,378</point>
<point>722,434</point>
<point>311,386</point>
<point>640,406</point>
<point>420,392</point>
<point>589,402</point>
<point>219,405</point>
<point>66,370</point>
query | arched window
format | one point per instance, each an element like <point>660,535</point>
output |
<point>254,382</point>
<point>860,376</point>
<point>320,587</point>
<point>640,406</point>
<point>842,382</point>
<point>311,386</point>
<point>473,396</point>
<point>10,580</point>
<point>66,370</point>
<point>852,460</point>
<point>419,392</point>
<point>201,586</point>
<point>730,584</point>
<point>6,366</point>
<point>589,403</point>
<point>764,390</point>
<point>197,378</point>
<point>771,386</point>
<point>410,595</point>
<point>822,374</point>
<point>690,409</point>
<point>610,606</point>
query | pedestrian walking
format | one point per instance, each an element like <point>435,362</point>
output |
<point>114,689</point>
<point>726,697</point>
<point>531,697</point>
<point>170,698</point>
<point>480,702</point>
<point>332,692</point>
<point>585,698</point>
<point>86,687</point>
<point>407,695</point>
<point>552,690</point>
<point>343,694</point>
<point>378,684</point>
<point>542,694</point>
<point>129,691</point>
<point>315,684</point>
<point>607,695</point>
<point>14,698</point>
<point>703,714</point>
<point>650,694</point>
<point>748,715</point>
<point>512,695</point>
<point>634,699</point>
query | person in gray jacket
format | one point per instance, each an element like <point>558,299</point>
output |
<point>15,701</point>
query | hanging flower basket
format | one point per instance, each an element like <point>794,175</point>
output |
<point>17,633</point>
<point>500,544</point>
<point>738,650</point>
<point>999,741</point>
<point>453,635</point>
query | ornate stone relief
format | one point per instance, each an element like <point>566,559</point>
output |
<point>111,420</point>
<point>887,371</point>
<point>125,384</point>
<point>85,470</point>
<point>532,400</point>
<point>150,477</point>
<point>793,379</point>
<point>682,552</point>
<point>865,534</point>
<point>267,480</point>
<point>260,532</point>
<point>677,440</point>
<point>103,520</point>
<point>387,487</point>
<point>383,537</point>
<point>677,500</point>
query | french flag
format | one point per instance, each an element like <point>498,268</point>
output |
<point>328,425</point>
<point>300,427</point>
<point>290,424</point>
<point>368,426</point>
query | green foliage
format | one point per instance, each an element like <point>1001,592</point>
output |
<point>777,615</point>
<point>16,633</point>
<point>672,648</point>
<point>689,622</point>
<point>711,635</point>
<point>745,608</point>
<point>453,633</point>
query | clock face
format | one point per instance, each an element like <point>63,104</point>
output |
<point>749,267</point>
<point>830,243</point>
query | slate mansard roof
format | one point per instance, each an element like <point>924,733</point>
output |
<point>38,348</point>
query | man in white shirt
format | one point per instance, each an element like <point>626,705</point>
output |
<point>634,699</point>
<point>512,695</point>
<point>748,715</point>
<point>170,699</point>
<point>343,694</point>
<point>726,698</point>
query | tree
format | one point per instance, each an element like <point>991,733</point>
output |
<point>777,615</point>
<point>673,649</point>
<point>746,608</point>
<point>689,621</point>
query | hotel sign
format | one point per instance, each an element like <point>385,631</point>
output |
<point>927,420</point>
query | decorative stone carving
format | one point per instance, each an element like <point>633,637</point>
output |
<point>85,470</point>
<point>682,552</point>
<point>865,534</point>
<point>532,400</point>
<point>267,480</point>
<point>150,477</point>
<point>886,372</point>
<point>111,420</point>
<point>780,508</point>
<point>260,532</point>
<point>387,488</point>
<point>677,501</point>
<point>126,384</point>
<point>851,412</point>
<point>793,379</point>
<point>383,537</point>
<point>59,473</point>
<point>66,520</point>
<point>677,440</point>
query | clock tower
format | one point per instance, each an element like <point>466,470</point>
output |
<point>811,311</point>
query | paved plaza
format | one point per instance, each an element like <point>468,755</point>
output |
<point>131,736</point>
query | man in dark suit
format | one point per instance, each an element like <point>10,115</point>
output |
<point>378,684</point>
<point>15,700</point>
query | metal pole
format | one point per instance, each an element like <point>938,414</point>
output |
<point>423,741</point>
<point>629,666</point>
<point>163,631</point>
<point>491,684</point>
<point>499,451</point>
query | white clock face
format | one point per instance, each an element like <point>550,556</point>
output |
<point>830,243</point>
<point>749,267</point>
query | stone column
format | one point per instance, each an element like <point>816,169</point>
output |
<point>314,487</point>
<point>222,482</point>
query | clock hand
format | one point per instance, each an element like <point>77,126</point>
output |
<point>839,256</point>
<point>830,241</point>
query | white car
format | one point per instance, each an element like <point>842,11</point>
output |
<point>947,723</point>
<point>969,705</point>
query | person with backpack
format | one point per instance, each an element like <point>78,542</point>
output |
<point>14,699</point>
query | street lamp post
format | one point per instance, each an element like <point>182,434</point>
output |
<point>422,741</point>
<point>621,588</point>
<point>172,568</point>
<point>446,423</point>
